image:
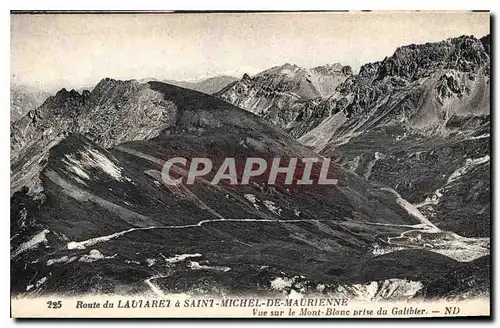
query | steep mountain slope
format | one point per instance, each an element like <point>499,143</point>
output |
<point>23,99</point>
<point>90,212</point>
<point>281,94</point>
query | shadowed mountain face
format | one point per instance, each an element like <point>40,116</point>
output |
<point>209,86</point>
<point>91,214</point>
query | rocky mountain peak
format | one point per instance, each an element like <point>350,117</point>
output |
<point>411,62</point>
<point>112,111</point>
<point>290,66</point>
<point>64,94</point>
<point>107,84</point>
<point>63,103</point>
<point>331,69</point>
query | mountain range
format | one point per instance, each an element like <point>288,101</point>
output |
<point>409,218</point>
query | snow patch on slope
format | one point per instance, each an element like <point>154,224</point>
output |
<point>94,255</point>
<point>41,282</point>
<point>271,206</point>
<point>32,243</point>
<point>93,241</point>
<point>181,257</point>
<point>64,259</point>
<point>252,199</point>
<point>462,249</point>
<point>431,200</point>
<point>412,210</point>
<point>81,162</point>
<point>469,165</point>
<point>193,265</point>
<point>151,262</point>
<point>281,283</point>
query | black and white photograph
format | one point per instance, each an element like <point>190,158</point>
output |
<point>250,164</point>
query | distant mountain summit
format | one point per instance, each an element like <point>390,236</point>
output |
<point>209,85</point>
<point>23,99</point>
<point>280,93</point>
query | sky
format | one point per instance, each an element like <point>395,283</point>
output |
<point>52,51</point>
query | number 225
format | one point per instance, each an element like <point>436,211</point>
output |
<point>54,304</point>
